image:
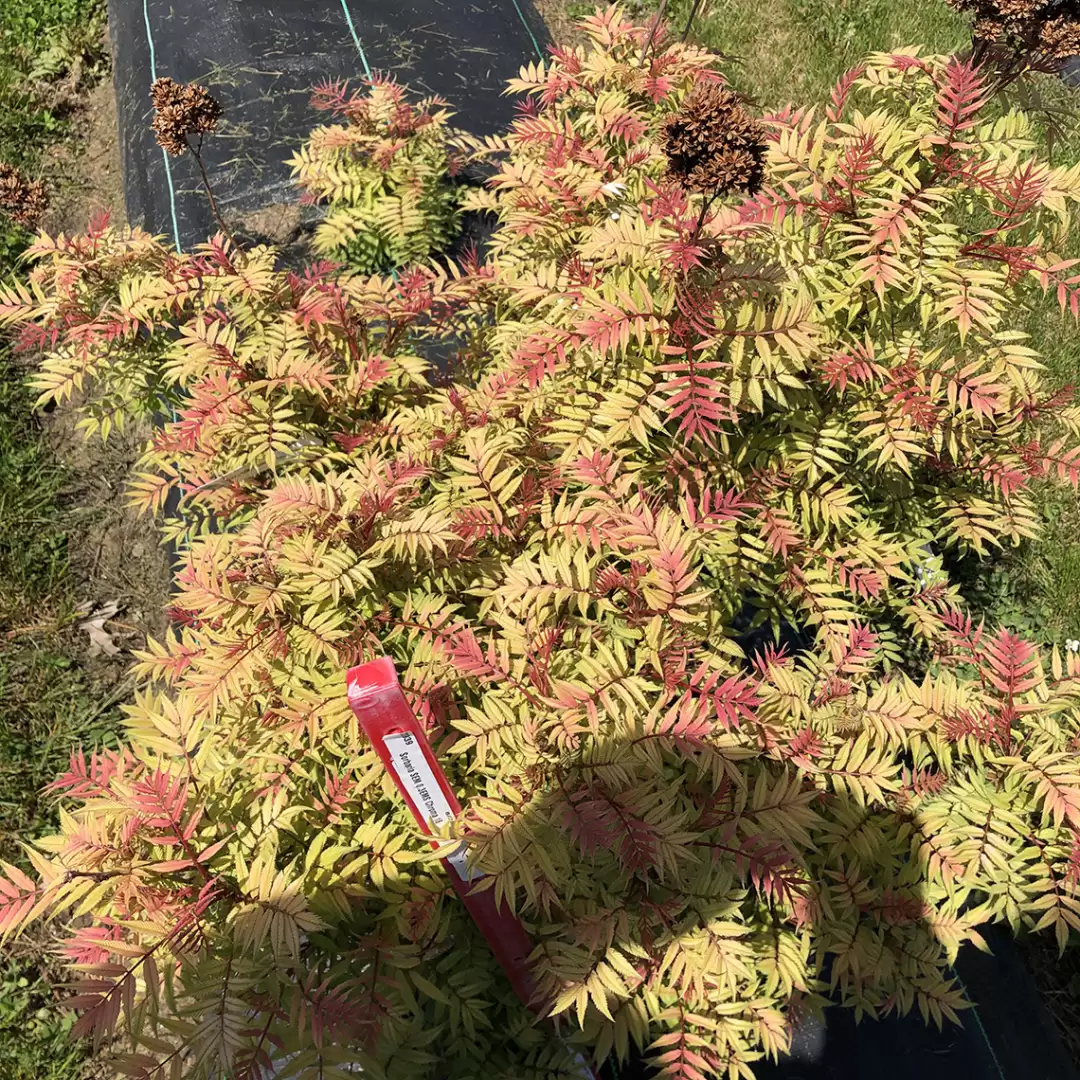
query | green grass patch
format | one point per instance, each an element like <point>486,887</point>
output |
<point>35,1042</point>
<point>49,704</point>
<point>794,50</point>
<point>33,540</point>
<point>42,43</point>
<point>49,701</point>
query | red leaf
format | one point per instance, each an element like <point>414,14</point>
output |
<point>687,723</point>
<point>713,508</point>
<point>161,799</point>
<point>863,581</point>
<point>465,653</point>
<point>842,89</point>
<point>855,656</point>
<point>1013,663</point>
<point>772,869</point>
<point>591,820</point>
<point>960,99</point>
<point>734,699</point>
<point>804,747</point>
<point>855,366</point>
<point>85,779</point>
<point>779,531</point>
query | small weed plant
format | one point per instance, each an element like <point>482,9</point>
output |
<point>383,176</point>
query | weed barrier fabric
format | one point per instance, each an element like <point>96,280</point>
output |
<point>261,59</point>
<point>1007,1036</point>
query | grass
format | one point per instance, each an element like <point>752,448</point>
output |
<point>44,45</point>
<point>33,544</point>
<point>49,702</point>
<point>49,699</point>
<point>794,50</point>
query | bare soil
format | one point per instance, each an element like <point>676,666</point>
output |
<point>115,553</point>
<point>84,171</point>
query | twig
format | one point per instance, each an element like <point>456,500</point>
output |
<point>652,32</point>
<point>690,20</point>
<point>701,217</point>
<point>197,155</point>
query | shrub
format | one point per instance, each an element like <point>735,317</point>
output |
<point>661,406</point>
<point>384,175</point>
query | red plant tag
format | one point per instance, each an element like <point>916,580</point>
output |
<point>399,740</point>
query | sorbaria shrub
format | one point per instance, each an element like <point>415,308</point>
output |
<point>384,176</point>
<point>662,405</point>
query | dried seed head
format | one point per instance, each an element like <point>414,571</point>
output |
<point>182,109</point>
<point>1060,37</point>
<point>713,144</point>
<point>1049,29</point>
<point>24,201</point>
<point>1009,12</point>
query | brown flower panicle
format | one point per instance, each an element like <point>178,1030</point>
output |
<point>24,201</point>
<point>713,144</point>
<point>180,110</point>
<point>1049,29</point>
<point>1060,37</point>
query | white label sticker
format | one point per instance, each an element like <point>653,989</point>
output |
<point>418,779</point>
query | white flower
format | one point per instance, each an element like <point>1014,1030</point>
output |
<point>1072,645</point>
<point>614,188</point>
<point>927,572</point>
<point>615,215</point>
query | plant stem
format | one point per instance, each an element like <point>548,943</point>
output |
<point>197,155</point>
<point>690,20</point>
<point>701,217</point>
<point>652,32</point>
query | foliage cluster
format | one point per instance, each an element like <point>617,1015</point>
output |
<point>1034,589</point>
<point>660,410</point>
<point>383,174</point>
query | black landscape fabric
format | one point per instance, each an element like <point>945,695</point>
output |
<point>261,60</point>
<point>1009,1036</point>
